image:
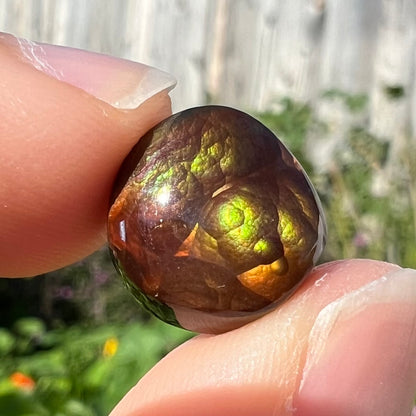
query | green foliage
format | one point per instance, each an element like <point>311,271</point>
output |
<point>354,102</point>
<point>362,222</point>
<point>394,92</point>
<point>79,371</point>
<point>7,342</point>
<point>365,223</point>
<point>291,125</point>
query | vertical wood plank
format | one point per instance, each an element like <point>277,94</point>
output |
<point>247,53</point>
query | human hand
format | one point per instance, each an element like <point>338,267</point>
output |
<point>343,344</point>
<point>61,146</point>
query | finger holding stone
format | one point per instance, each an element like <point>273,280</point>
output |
<point>68,119</point>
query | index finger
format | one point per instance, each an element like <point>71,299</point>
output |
<point>68,119</point>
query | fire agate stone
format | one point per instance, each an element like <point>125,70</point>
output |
<point>213,221</point>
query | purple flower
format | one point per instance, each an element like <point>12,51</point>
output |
<point>64,292</point>
<point>361,240</point>
<point>100,276</point>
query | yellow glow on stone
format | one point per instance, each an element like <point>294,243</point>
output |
<point>208,155</point>
<point>231,217</point>
<point>262,246</point>
<point>288,233</point>
<point>215,150</point>
<point>186,246</point>
<point>239,220</point>
<point>197,164</point>
<point>163,195</point>
<point>162,177</point>
<point>266,279</point>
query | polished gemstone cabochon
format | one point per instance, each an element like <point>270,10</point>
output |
<point>213,221</point>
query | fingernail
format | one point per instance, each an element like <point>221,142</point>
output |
<point>361,356</point>
<point>121,83</point>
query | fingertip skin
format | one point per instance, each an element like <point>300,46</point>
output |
<point>368,368</point>
<point>362,360</point>
<point>258,369</point>
<point>60,152</point>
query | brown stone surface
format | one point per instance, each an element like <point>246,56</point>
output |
<point>211,212</point>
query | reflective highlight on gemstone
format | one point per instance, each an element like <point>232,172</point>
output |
<point>213,221</point>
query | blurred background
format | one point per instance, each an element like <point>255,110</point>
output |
<point>334,79</point>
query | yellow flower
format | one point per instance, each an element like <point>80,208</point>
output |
<point>110,347</point>
<point>22,381</point>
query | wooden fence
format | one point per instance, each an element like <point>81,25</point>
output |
<point>250,53</point>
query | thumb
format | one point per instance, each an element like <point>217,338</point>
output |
<point>343,344</point>
<point>68,119</point>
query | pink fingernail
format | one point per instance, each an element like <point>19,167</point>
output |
<point>121,83</point>
<point>362,352</point>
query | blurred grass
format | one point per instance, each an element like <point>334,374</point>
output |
<point>78,370</point>
<point>368,190</point>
